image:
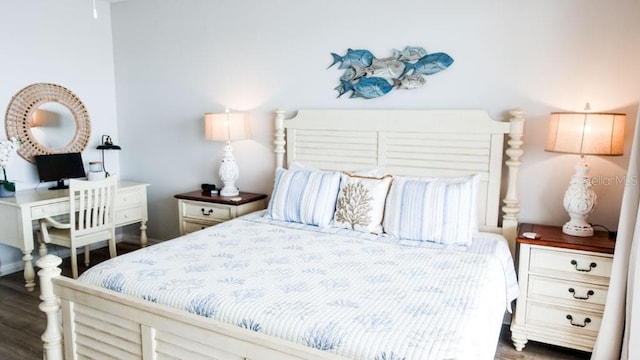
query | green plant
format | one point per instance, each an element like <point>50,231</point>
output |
<point>7,150</point>
<point>8,185</point>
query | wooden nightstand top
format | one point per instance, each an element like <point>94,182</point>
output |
<point>205,196</point>
<point>553,236</point>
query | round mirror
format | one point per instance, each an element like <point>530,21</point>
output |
<point>47,119</point>
<point>52,125</point>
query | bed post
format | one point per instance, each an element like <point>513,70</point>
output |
<point>511,208</point>
<point>50,305</point>
<point>279,141</point>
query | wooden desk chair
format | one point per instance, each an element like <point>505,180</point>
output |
<point>91,219</point>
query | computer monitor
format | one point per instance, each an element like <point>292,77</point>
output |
<point>59,167</point>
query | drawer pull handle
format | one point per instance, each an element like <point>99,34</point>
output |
<point>206,213</point>
<point>586,321</point>
<point>591,266</point>
<point>573,292</point>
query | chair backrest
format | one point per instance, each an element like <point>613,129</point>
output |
<point>92,205</point>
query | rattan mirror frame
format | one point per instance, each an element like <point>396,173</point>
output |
<point>26,102</point>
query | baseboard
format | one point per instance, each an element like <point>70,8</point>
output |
<point>135,239</point>
<point>10,268</point>
<point>18,265</point>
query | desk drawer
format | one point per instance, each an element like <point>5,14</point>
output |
<point>205,212</point>
<point>128,198</point>
<point>125,198</point>
<point>129,215</point>
<point>41,211</point>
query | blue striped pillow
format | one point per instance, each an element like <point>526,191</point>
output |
<point>442,210</point>
<point>307,197</point>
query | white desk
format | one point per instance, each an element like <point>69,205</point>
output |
<point>17,216</point>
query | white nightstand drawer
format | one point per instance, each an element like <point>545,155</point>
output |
<point>206,211</point>
<point>198,210</point>
<point>567,292</point>
<point>190,226</point>
<point>563,318</point>
<point>570,264</point>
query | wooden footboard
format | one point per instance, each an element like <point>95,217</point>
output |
<point>99,323</point>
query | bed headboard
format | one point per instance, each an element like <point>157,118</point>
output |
<point>442,143</point>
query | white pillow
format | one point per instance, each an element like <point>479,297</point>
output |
<point>442,210</point>
<point>307,197</point>
<point>300,166</point>
<point>360,204</point>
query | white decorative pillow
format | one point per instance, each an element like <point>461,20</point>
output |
<point>300,166</point>
<point>442,210</point>
<point>360,204</point>
<point>307,197</point>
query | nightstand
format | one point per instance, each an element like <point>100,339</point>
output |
<point>199,209</point>
<point>563,283</point>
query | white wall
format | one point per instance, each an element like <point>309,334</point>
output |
<point>175,60</point>
<point>57,42</point>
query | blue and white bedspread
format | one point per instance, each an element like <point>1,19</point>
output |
<point>363,297</point>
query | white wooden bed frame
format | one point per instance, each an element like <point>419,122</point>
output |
<point>101,323</point>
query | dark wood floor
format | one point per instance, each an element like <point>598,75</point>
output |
<point>22,323</point>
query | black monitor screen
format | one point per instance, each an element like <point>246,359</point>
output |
<point>58,167</point>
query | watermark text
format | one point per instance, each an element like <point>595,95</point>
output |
<point>614,180</point>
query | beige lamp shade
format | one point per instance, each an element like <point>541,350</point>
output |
<point>586,133</point>
<point>226,126</point>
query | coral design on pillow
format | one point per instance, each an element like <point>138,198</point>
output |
<point>353,206</point>
<point>360,204</point>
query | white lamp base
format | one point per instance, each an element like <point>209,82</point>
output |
<point>229,191</point>
<point>228,172</point>
<point>577,230</point>
<point>579,201</point>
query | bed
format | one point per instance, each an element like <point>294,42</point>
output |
<point>283,284</point>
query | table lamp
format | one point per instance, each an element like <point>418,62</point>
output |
<point>584,133</point>
<point>227,127</point>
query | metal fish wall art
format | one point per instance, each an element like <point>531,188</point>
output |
<point>360,58</point>
<point>366,87</point>
<point>368,77</point>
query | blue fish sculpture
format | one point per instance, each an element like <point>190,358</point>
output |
<point>410,53</point>
<point>359,58</point>
<point>429,64</point>
<point>353,73</point>
<point>367,87</point>
<point>387,68</point>
<point>410,81</point>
